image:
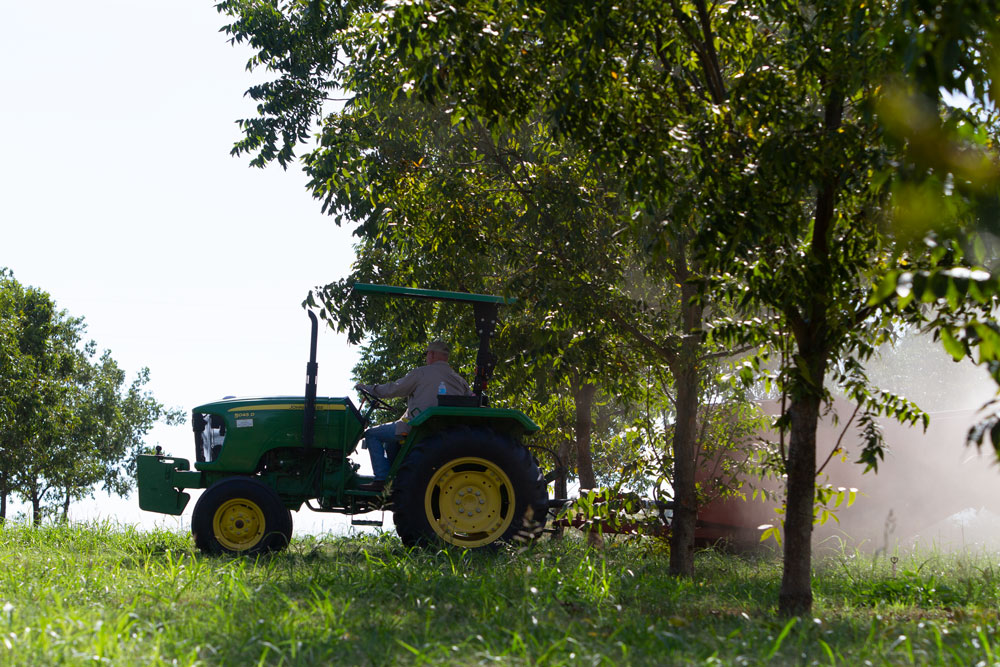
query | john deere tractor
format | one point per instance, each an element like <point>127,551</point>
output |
<point>463,475</point>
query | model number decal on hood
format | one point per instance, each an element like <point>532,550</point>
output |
<point>244,423</point>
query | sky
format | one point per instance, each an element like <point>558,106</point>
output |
<point>119,197</point>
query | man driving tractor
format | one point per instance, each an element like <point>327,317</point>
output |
<point>421,387</point>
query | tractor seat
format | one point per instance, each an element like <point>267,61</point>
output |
<point>454,401</point>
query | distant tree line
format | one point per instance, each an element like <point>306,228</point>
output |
<point>664,186</point>
<point>69,420</point>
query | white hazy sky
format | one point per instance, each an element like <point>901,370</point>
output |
<point>119,197</point>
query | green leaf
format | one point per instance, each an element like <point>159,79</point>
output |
<point>885,289</point>
<point>951,344</point>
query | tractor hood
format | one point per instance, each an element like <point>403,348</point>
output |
<point>265,423</point>
<point>266,402</point>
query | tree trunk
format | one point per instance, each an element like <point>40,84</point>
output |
<point>583,397</point>
<point>37,495</point>
<point>36,509</point>
<point>812,336</point>
<point>685,443</point>
<point>65,508</point>
<point>3,499</point>
<point>685,515</point>
<point>795,597</point>
<point>561,483</point>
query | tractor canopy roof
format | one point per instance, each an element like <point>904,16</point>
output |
<point>434,295</point>
<point>484,310</point>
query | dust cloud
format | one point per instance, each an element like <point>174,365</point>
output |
<point>931,490</point>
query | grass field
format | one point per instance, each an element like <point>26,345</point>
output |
<point>91,594</point>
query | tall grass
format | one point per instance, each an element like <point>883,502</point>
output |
<point>100,593</point>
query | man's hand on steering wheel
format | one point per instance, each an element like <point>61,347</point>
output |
<point>366,394</point>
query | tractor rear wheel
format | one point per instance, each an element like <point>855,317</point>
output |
<point>240,516</point>
<point>470,487</point>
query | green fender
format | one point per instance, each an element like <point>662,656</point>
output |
<point>514,423</point>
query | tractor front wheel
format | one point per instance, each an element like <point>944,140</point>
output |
<point>470,487</point>
<point>240,516</point>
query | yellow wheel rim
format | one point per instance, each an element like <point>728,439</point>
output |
<point>238,524</point>
<point>469,502</point>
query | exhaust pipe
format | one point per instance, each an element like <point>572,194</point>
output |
<point>309,409</point>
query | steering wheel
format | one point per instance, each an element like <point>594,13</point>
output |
<point>375,401</point>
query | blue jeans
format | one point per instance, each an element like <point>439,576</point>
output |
<point>383,445</point>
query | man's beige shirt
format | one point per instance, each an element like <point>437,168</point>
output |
<point>420,387</point>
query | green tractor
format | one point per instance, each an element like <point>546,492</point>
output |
<point>462,476</point>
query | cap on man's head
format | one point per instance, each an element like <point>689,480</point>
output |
<point>438,346</point>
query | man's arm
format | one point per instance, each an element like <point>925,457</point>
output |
<point>401,387</point>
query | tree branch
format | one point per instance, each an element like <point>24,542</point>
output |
<point>712,356</point>
<point>836,447</point>
<point>707,57</point>
<point>713,72</point>
<point>667,354</point>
